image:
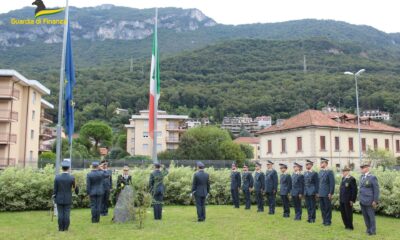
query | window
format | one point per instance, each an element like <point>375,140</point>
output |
<point>33,115</point>
<point>299,144</point>
<point>258,148</point>
<point>146,123</point>
<point>32,134</point>
<point>145,147</point>
<point>375,144</point>
<point>34,97</point>
<point>337,144</point>
<point>322,143</point>
<point>351,144</point>
<point>31,156</point>
<point>159,134</point>
<point>159,147</point>
<point>283,141</point>
<point>397,145</point>
<point>387,144</point>
<point>145,134</point>
<point>133,140</point>
<point>269,148</point>
<point>133,151</point>
<point>363,144</point>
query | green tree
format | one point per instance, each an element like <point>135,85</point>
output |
<point>381,157</point>
<point>203,143</point>
<point>244,132</point>
<point>248,151</point>
<point>97,131</point>
<point>232,151</point>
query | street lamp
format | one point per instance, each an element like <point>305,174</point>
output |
<point>358,111</point>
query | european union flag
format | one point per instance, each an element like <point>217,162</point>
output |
<point>69,86</point>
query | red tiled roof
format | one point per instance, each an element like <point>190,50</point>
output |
<point>248,140</point>
<point>319,119</point>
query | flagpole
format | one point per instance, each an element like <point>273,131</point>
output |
<point>155,135</point>
<point>61,91</point>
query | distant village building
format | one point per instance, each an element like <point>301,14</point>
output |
<point>169,132</point>
<point>236,124</point>
<point>23,119</point>
<point>314,134</point>
<point>191,123</point>
<point>264,121</point>
<point>376,114</point>
<point>121,111</point>
<point>252,141</point>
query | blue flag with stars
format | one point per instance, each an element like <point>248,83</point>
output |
<point>69,86</point>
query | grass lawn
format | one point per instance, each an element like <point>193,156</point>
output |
<point>223,222</point>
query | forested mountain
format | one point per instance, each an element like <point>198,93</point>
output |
<point>109,35</point>
<point>208,69</point>
<point>244,76</point>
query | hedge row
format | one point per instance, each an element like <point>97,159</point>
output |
<point>29,189</point>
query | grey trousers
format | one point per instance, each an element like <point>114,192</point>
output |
<point>369,218</point>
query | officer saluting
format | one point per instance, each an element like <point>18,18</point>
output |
<point>247,186</point>
<point>259,186</point>
<point>311,186</point>
<point>285,188</point>
<point>297,190</point>
<point>348,195</point>
<point>95,189</point>
<point>326,190</point>
<point>156,183</point>
<point>235,185</point>
<point>63,183</point>
<point>200,190</point>
<point>271,186</point>
<point>369,198</point>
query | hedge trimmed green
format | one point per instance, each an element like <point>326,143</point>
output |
<point>29,189</point>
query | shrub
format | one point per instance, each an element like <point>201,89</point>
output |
<point>28,189</point>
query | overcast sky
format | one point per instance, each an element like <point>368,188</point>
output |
<point>381,14</point>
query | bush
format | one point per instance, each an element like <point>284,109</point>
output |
<point>28,189</point>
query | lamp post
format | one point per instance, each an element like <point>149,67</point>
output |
<point>358,111</point>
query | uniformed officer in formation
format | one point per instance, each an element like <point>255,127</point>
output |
<point>63,185</point>
<point>271,186</point>
<point>247,185</point>
<point>259,187</point>
<point>297,190</point>
<point>369,198</point>
<point>200,190</point>
<point>157,188</point>
<point>107,187</point>
<point>95,189</point>
<point>347,197</point>
<point>326,191</point>
<point>311,186</point>
<point>235,185</point>
<point>285,188</point>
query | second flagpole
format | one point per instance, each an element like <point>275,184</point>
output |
<point>61,92</point>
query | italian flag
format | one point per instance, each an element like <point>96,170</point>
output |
<point>154,83</point>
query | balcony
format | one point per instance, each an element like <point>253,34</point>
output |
<point>8,115</point>
<point>7,162</point>
<point>9,93</point>
<point>45,148</point>
<point>176,128</point>
<point>45,117</point>
<point>173,140</point>
<point>46,132</point>
<point>6,138</point>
